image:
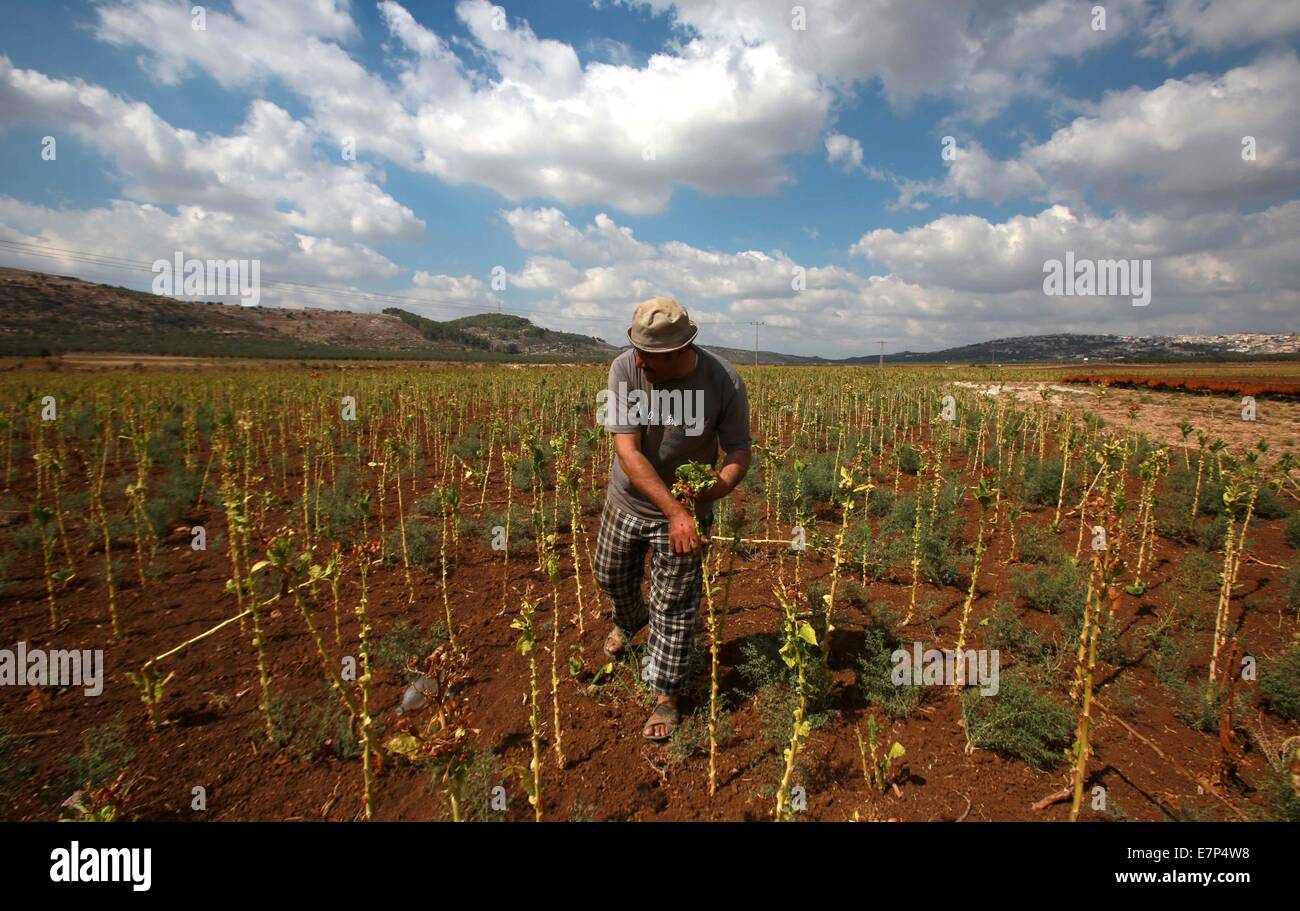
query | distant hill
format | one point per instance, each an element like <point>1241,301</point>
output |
<point>1066,347</point>
<point>43,314</point>
<point>505,333</point>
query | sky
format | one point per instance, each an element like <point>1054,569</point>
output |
<point>829,174</point>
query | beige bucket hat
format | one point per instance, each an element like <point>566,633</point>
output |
<point>660,325</point>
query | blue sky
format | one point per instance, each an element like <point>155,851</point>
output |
<point>599,153</point>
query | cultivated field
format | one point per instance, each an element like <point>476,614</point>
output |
<point>268,555</point>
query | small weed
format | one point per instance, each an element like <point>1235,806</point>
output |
<point>1279,680</point>
<point>103,755</point>
<point>1059,591</point>
<point>1019,721</point>
<point>13,771</point>
<point>875,682</point>
<point>405,643</point>
<point>312,728</point>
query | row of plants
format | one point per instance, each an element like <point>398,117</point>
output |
<point>308,485</point>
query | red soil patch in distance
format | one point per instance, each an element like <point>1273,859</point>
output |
<point>1226,386</point>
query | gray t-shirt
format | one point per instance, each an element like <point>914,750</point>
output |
<point>680,421</point>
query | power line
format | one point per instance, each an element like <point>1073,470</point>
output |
<point>47,251</point>
<point>756,324</point>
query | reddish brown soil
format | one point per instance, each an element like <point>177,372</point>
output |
<point>1175,383</point>
<point>213,735</point>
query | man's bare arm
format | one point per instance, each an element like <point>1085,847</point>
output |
<point>681,525</point>
<point>643,475</point>
<point>732,471</point>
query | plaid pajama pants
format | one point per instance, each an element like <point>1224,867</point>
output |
<point>676,585</point>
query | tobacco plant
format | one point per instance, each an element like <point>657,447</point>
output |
<point>553,574</point>
<point>798,654</point>
<point>526,645</point>
<point>878,770</point>
<point>984,495</point>
<point>443,742</point>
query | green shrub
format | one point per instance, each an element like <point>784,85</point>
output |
<point>342,509</point>
<point>1194,704</point>
<point>405,643</point>
<point>468,446</point>
<point>1291,588</point>
<point>772,685</point>
<point>1283,801</point>
<point>1036,544</point>
<point>1058,590</point>
<point>478,528</point>
<point>1042,483</point>
<point>1279,680</point>
<point>120,531</point>
<point>938,561</point>
<point>421,543</point>
<point>522,475</point>
<point>172,499</point>
<point>1012,636</point>
<point>909,460</point>
<point>1292,530</point>
<point>852,597</point>
<point>875,667</point>
<point>428,507</point>
<point>312,728</point>
<point>28,535</point>
<point>1197,574</point>
<point>1178,497</point>
<point>819,479</point>
<point>692,737</point>
<point>1172,516</point>
<point>880,503</point>
<point>901,516</point>
<point>102,756</point>
<point>83,423</point>
<point>1019,721</point>
<point>13,771</point>
<point>1144,449</point>
<point>164,447</point>
<point>881,552</point>
<point>1211,536</point>
<point>1269,506</point>
<point>485,772</point>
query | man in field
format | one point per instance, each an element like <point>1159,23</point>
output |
<point>669,402</point>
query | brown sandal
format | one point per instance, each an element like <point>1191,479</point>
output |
<point>615,643</point>
<point>666,715</point>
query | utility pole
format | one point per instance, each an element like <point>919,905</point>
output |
<point>756,324</point>
<point>882,351</point>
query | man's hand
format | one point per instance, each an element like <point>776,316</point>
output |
<point>728,476</point>
<point>681,532</point>
<point>720,489</point>
<point>681,524</point>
